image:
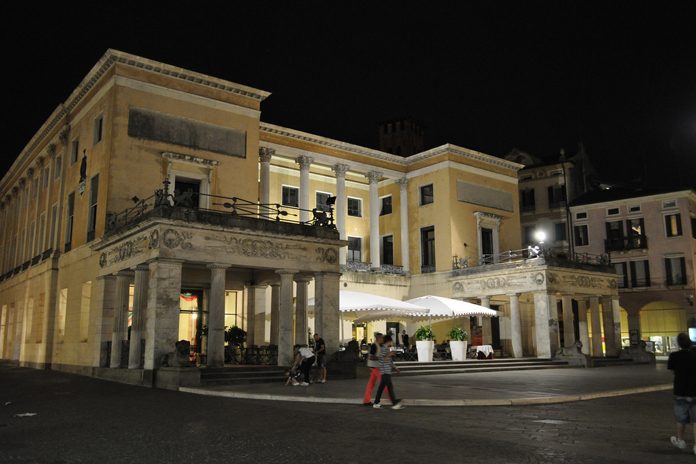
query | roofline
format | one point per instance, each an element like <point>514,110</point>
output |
<point>653,196</point>
<point>105,63</point>
<point>384,156</point>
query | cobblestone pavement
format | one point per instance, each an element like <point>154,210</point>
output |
<point>81,420</point>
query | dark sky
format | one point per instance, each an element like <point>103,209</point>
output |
<point>538,76</point>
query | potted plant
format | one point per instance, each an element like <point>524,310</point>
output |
<point>424,343</point>
<point>459,339</point>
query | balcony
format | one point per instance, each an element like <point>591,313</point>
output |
<point>359,266</point>
<point>634,242</point>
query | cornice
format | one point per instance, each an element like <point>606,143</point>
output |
<point>466,153</point>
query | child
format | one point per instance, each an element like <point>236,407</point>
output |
<point>386,365</point>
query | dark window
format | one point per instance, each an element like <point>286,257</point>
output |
<point>581,216</point>
<point>428,249</point>
<point>556,196</point>
<point>613,211</point>
<point>388,250</point>
<point>527,202</point>
<point>560,231</point>
<point>676,271</point>
<point>673,225</point>
<point>322,198</point>
<point>640,273</point>
<point>621,274</point>
<point>98,129</point>
<point>354,249</point>
<point>69,221</point>
<point>290,196</point>
<point>487,250</point>
<point>386,206</point>
<point>74,151</point>
<point>528,235</point>
<point>92,218</point>
<point>615,232</point>
<point>426,194</point>
<point>186,192</point>
<point>581,236</point>
<point>354,207</point>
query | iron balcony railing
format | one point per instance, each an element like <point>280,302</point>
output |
<point>217,204</point>
<point>359,266</point>
<point>633,242</point>
<point>523,254</point>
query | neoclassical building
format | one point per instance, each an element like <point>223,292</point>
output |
<point>154,205</point>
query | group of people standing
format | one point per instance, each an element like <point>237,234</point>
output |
<point>380,360</point>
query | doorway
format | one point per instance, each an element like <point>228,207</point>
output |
<point>187,192</point>
<point>192,320</point>
<point>487,245</point>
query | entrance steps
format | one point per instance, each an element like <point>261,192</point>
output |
<point>241,375</point>
<point>477,365</point>
<point>611,361</point>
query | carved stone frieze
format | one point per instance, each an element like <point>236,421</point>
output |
<point>260,248</point>
<point>172,238</point>
<point>125,250</point>
<point>327,255</point>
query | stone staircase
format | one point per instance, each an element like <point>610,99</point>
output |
<point>611,361</point>
<point>242,375</point>
<point>478,365</point>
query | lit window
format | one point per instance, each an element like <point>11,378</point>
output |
<point>673,225</point>
<point>676,271</point>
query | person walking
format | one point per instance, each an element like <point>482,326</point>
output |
<point>373,364</point>
<point>386,366</point>
<point>320,352</point>
<point>683,363</point>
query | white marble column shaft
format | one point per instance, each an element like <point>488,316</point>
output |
<point>120,328</point>
<point>596,326</point>
<point>163,308</point>
<point>541,325</point>
<point>515,325</point>
<point>305,163</point>
<point>568,321</point>
<point>373,177</point>
<point>142,272</point>
<point>275,308</point>
<point>216,316</point>
<point>285,326</point>
<point>403,214</point>
<point>265,155</point>
<point>582,326</point>
<point>301,334</point>
<point>341,208</point>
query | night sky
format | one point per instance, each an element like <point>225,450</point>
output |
<point>537,76</point>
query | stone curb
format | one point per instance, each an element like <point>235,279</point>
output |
<point>435,402</point>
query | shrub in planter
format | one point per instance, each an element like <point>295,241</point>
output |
<point>458,343</point>
<point>458,334</point>
<point>424,333</point>
<point>424,343</point>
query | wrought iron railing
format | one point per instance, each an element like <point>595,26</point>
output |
<point>633,242</point>
<point>356,266</point>
<point>524,254</point>
<point>359,266</point>
<point>233,206</point>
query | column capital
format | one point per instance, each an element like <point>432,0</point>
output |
<point>52,150</point>
<point>282,272</point>
<point>64,135</point>
<point>304,161</point>
<point>265,154</point>
<point>303,279</point>
<point>402,181</point>
<point>141,267</point>
<point>126,273</point>
<point>340,169</point>
<point>218,266</point>
<point>373,176</point>
<point>511,295</point>
<point>30,173</point>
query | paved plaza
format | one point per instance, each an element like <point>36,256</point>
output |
<point>81,420</point>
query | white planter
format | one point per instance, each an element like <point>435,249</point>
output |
<point>458,350</point>
<point>425,350</point>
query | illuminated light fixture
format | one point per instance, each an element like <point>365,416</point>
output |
<point>540,236</point>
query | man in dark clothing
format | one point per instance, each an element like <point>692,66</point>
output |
<point>320,352</point>
<point>404,340</point>
<point>683,363</point>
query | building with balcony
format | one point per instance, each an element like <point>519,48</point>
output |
<point>154,205</point>
<point>650,238</point>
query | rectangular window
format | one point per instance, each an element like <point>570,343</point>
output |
<point>428,249</point>
<point>62,308</point>
<point>74,151</point>
<point>354,249</point>
<point>388,249</point>
<point>322,198</point>
<point>560,231</point>
<point>85,301</point>
<point>527,201</point>
<point>556,196</point>
<point>41,237</point>
<point>98,129</point>
<point>426,194</point>
<point>54,225</point>
<point>57,168</point>
<point>615,231</point>
<point>669,204</point>
<point>582,215</point>
<point>634,209</point>
<point>640,273</point>
<point>92,218</point>
<point>582,237</point>
<point>31,241</point>
<point>635,227</point>
<point>69,217</point>
<point>673,225</point>
<point>676,271</point>
<point>621,274</point>
<point>291,196</point>
<point>354,207</point>
<point>528,235</point>
<point>612,211</point>
<point>386,206</point>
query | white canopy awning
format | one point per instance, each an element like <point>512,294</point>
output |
<point>441,307</point>
<point>357,302</point>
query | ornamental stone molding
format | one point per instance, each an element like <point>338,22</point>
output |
<point>265,154</point>
<point>373,176</point>
<point>340,169</point>
<point>304,161</point>
<point>327,255</point>
<point>487,218</point>
<point>64,135</point>
<point>189,159</point>
<point>403,182</point>
<point>51,150</point>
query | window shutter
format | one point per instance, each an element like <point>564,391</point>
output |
<point>634,280</point>
<point>679,227</point>
<point>668,271</point>
<point>682,263</point>
<point>646,265</point>
<point>668,229</point>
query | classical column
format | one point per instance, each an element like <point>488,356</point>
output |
<point>341,207</point>
<point>275,308</point>
<point>616,313</point>
<point>582,326</point>
<point>285,328</point>
<point>301,310</point>
<point>486,329</point>
<point>373,177</point>
<point>305,163</point>
<point>515,325</point>
<point>256,315</point>
<point>120,328</point>
<point>568,321</point>
<point>541,325</point>
<point>162,321</point>
<point>265,155</point>
<point>596,326</point>
<point>634,326</point>
<point>608,327</point>
<point>403,214</point>
<point>318,308</point>
<point>216,316</point>
<point>326,299</point>
<point>139,308</point>
<point>554,335</point>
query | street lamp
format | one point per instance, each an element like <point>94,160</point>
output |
<point>540,236</point>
